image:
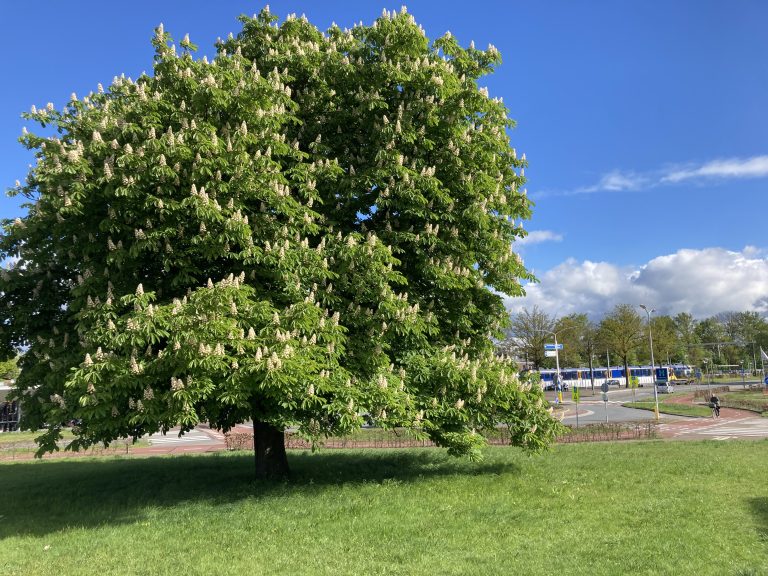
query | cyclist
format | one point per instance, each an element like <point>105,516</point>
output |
<point>714,403</point>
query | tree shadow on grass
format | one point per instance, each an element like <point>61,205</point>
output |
<point>759,508</point>
<point>47,496</point>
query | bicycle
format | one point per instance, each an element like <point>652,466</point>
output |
<point>715,410</point>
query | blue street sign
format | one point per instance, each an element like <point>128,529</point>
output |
<point>766,380</point>
<point>553,347</point>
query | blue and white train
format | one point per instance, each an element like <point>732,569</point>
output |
<point>580,377</point>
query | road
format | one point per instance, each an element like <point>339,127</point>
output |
<point>733,424</point>
<point>592,409</point>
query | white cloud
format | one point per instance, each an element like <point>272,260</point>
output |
<point>623,181</point>
<point>616,181</point>
<point>539,236</point>
<point>613,181</point>
<point>701,282</point>
<point>755,167</point>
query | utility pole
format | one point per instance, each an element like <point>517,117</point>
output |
<point>653,365</point>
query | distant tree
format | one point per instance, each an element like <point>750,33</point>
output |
<point>712,335</point>
<point>9,369</point>
<point>744,330</point>
<point>732,349</point>
<point>664,339</point>
<point>530,330</point>
<point>761,337</point>
<point>580,344</point>
<point>591,348</point>
<point>299,232</point>
<point>569,333</point>
<point>621,332</point>
<point>687,338</point>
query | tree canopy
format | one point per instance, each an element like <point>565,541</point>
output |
<point>301,231</point>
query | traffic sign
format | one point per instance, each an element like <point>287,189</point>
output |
<point>604,387</point>
<point>634,381</point>
<point>605,397</point>
<point>766,380</point>
<point>550,353</point>
<point>575,394</point>
<point>553,347</point>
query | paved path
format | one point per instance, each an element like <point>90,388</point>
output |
<point>731,424</point>
<point>200,435</point>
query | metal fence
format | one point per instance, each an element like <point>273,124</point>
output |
<point>610,432</point>
<point>10,413</point>
<point>500,437</point>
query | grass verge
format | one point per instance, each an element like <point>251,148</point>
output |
<point>18,438</point>
<point>645,508</point>
<point>24,442</point>
<point>672,408</point>
<point>756,401</point>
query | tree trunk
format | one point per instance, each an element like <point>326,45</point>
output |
<point>269,451</point>
<point>626,372</point>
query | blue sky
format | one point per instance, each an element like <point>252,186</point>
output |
<point>645,125</point>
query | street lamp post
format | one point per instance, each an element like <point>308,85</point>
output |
<point>653,364</point>
<point>754,360</point>
<point>709,378</point>
<point>743,377</point>
<point>557,366</point>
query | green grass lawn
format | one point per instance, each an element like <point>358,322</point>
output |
<point>672,408</point>
<point>641,508</point>
<point>21,438</point>
<point>24,442</point>
<point>731,379</point>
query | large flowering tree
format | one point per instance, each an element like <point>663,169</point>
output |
<point>301,231</point>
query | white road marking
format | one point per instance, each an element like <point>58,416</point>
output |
<point>749,427</point>
<point>572,413</point>
<point>191,437</point>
